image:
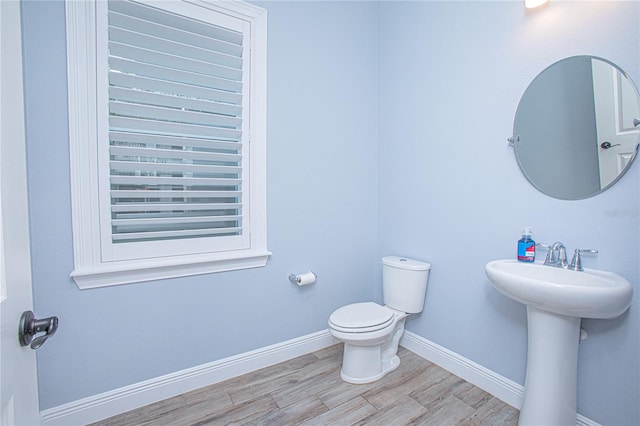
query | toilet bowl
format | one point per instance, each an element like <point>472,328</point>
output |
<point>365,328</point>
<point>371,332</point>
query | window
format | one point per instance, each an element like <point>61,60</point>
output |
<point>167,127</point>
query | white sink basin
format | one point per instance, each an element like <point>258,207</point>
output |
<point>584,294</point>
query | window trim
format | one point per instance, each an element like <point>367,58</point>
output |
<point>89,269</point>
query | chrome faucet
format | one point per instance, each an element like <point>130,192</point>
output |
<point>557,256</point>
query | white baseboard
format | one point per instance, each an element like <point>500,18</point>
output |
<point>117,401</point>
<point>487,380</point>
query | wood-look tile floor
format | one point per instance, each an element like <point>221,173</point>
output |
<point>308,390</point>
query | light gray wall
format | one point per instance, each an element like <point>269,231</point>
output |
<point>450,191</point>
<point>321,213</point>
<point>387,135</point>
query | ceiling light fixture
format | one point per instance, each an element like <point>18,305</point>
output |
<point>530,4</point>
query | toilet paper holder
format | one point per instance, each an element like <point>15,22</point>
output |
<point>304,278</point>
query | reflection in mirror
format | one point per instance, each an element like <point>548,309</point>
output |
<point>577,127</point>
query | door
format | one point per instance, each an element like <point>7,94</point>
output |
<point>18,379</point>
<point>616,109</point>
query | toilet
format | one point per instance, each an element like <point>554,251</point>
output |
<point>371,332</point>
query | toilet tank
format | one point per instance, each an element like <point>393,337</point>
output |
<point>404,283</point>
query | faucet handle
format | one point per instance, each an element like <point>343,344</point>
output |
<point>547,247</point>
<point>576,262</point>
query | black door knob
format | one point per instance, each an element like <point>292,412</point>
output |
<point>30,326</point>
<point>607,145</point>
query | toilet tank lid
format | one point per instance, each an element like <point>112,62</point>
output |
<point>405,263</point>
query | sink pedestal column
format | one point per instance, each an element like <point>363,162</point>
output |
<point>552,369</point>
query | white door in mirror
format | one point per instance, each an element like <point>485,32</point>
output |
<point>616,107</point>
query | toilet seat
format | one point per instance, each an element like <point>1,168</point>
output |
<point>361,318</point>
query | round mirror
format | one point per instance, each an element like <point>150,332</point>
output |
<point>577,127</point>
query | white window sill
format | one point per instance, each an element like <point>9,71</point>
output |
<point>116,273</point>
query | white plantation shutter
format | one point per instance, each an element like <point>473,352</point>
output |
<point>173,177</point>
<point>175,128</point>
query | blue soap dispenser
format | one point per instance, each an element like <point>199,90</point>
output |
<point>526,246</point>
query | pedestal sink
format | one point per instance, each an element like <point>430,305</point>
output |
<point>556,300</point>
